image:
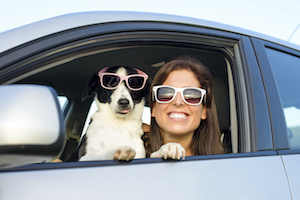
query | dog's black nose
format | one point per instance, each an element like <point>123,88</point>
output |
<point>123,103</point>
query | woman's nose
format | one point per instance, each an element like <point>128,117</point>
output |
<point>178,101</point>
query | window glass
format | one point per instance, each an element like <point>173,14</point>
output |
<point>63,102</point>
<point>286,69</point>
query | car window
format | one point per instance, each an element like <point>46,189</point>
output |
<point>63,102</point>
<point>147,56</point>
<point>286,69</point>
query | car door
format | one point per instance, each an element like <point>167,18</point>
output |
<point>251,169</point>
<point>241,177</point>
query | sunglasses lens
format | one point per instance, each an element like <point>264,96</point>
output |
<point>110,80</point>
<point>136,82</point>
<point>165,94</point>
<point>192,96</point>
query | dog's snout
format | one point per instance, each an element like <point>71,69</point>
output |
<point>123,103</point>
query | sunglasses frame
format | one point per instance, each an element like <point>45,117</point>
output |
<point>180,90</point>
<point>142,74</point>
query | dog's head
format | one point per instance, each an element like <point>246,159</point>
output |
<point>121,87</point>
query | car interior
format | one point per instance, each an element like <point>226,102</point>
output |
<point>69,76</point>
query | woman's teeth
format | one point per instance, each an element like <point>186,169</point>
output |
<point>178,116</point>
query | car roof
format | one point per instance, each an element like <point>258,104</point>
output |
<point>53,25</point>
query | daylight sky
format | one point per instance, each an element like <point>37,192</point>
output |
<point>278,18</point>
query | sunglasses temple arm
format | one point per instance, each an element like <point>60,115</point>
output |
<point>141,72</point>
<point>153,95</point>
<point>103,70</point>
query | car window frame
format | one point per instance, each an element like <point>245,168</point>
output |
<point>260,128</point>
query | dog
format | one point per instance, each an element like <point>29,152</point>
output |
<point>115,130</point>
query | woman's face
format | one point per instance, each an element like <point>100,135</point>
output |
<point>177,119</point>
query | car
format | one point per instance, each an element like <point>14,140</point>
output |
<point>256,79</point>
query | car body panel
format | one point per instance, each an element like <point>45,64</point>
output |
<point>234,178</point>
<point>291,163</point>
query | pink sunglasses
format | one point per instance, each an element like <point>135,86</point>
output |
<point>111,81</point>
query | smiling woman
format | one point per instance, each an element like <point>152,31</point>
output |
<point>182,123</point>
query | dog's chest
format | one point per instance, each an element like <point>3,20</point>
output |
<point>109,135</point>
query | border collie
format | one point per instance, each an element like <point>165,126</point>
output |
<point>115,130</point>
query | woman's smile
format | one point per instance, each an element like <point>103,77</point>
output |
<point>178,116</point>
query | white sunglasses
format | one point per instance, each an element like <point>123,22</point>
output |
<point>190,95</point>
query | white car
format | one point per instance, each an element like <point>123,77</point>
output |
<point>256,87</point>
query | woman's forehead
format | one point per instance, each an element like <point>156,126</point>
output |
<point>182,78</point>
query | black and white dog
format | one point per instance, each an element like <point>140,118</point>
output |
<point>115,130</point>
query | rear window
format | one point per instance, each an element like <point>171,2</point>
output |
<point>286,69</point>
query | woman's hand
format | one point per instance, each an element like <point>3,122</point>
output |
<point>170,150</point>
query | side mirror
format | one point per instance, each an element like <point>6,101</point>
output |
<point>31,125</point>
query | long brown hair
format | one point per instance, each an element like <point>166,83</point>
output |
<point>206,139</point>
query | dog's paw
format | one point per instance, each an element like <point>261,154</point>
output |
<point>124,153</point>
<point>170,150</point>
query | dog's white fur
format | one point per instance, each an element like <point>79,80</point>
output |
<point>110,132</point>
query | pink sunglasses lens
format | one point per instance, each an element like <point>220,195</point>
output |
<point>110,81</point>
<point>136,82</point>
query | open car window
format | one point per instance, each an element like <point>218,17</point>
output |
<point>68,69</point>
<point>81,69</point>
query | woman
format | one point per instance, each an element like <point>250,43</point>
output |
<point>183,113</point>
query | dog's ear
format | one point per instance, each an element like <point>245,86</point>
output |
<point>91,88</point>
